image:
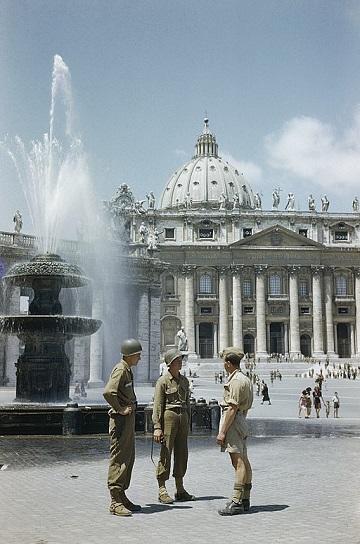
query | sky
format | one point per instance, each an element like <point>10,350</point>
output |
<point>278,79</point>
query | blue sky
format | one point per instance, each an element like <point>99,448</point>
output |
<point>280,81</point>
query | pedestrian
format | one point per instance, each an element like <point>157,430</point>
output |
<point>83,393</point>
<point>265,393</point>
<point>303,403</point>
<point>233,432</point>
<point>327,408</point>
<point>119,393</point>
<point>308,403</point>
<point>336,404</point>
<point>171,416</point>
<point>317,396</point>
<point>77,391</point>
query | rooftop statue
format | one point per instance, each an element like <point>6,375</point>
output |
<point>290,205</point>
<point>325,203</point>
<point>143,230</point>
<point>236,201</point>
<point>151,200</point>
<point>138,207</point>
<point>257,201</point>
<point>355,204</point>
<point>276,198</point>
<point>18,222</point>
<point>222,201</point>
<point>311,202</point>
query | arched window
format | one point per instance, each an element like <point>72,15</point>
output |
<point>247,288</point>
<point>275,284</point>
<point>205,283</point>
<point>169,285</point>
<point>303,288</point>
<point>341,285</point>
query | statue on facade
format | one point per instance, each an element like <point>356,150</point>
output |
<point>355,204</point>
<point>181,340</point>
<point>143,230</point>
<point>153,239</point>
<point>138,207</point>
<point>276,198</point>
<point>18,222</point>
<point>151,200</point>
<point>311,203</point>
<point>257,201</point>
<point>290,205</point>
<point>325,203</point>
<point>236,201</point>
<point>222,201</point>
<point>188,201</point>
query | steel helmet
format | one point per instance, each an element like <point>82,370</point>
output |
<point>171,355</point>
<point>131,346</point>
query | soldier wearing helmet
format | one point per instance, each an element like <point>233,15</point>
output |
<point>171,416</point>
<point>119,393</point>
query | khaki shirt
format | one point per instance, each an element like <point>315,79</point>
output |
<point>238,391</point>
<point>170,392</point>
<point>119,391</point>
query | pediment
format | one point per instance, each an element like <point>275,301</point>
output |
<point>277,236</point>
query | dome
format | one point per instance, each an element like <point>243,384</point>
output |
<point>207,180</point>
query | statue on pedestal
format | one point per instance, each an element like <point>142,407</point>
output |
<point>276,198</point>
<point>257,201</point>
<point>143,230</point>
<point>311,202</point>
<point>151,200</point>
<point>18,222</point>
<point>182,341</point>
<point>325,203</point>
<point>290,205</point>
<point>355,204</point>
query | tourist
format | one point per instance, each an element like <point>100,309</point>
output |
<point>171,416</point>
<point>83,393</point>
<point>327,408</point>
<point>308,402</point>
<point>336,404</point>
<point>265,393</point>
<point>233,432</point>
<point>119,393</point>
<point>77,391</point>
<point>317,396</point>
<point>303,403</point>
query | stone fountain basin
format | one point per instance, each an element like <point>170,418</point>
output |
<point>49,325</point>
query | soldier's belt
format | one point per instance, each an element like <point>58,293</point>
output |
<point>177,409</point>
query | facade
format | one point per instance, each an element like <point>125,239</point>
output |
<point>269,281</point>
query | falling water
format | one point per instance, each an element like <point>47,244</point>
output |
<point>53,171</point>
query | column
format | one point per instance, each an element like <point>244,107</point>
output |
<point>96,343</point>
<point>12,342</point>
<point>261,351</point>
<point>142,370</point>
<point>294,313</point>
<point>357,309</point>
<point>223,310</point>
<point>352,339</point>
<point>286,339</point>
<point>330,344</point>
<point>237,309</point>
<point>216,349</point>
<point>189,324</point>
<point>317,313</point>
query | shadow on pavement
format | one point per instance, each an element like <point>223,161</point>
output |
<point>156,508</point>
<point>209,498</point>
<point>268,508</point>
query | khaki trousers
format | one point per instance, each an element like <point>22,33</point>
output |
<point>176,430</point>
<point>122,453</point>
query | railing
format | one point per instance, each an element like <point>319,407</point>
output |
<point>283,296</point>
<point>206,296</point>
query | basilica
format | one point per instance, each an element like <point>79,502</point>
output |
<point>207,258</point>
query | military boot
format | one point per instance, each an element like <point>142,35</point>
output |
<point>164,496</point>
<point>183,496</point>
<point>231,508</point>
<point>128,504</point>
<point>117,507</point>
<point>246,497</point>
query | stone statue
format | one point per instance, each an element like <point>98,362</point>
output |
<point>276,198</point>
<point>143,230</point>
<point>138,207</point>
<point>188,201</point>
<point>153,239</point>
<point>182,341</point>
<point>222,201</point>
<point>18,222</point>
<point>257,201</point>
<point>325,203</point>
<point>355,204</point>
<point>151,200</point>
<point>236,201</point>
<point>311,202</point>
<point>290,205</point>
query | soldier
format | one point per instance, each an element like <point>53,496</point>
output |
<point>119,393</point>
<point>233,431</point>
<point>171,415</point>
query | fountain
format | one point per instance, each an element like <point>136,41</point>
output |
<point>50,174</point>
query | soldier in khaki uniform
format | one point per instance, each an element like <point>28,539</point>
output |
<point>171,414</point>
<point>119,393</point>
<point>233,431</point>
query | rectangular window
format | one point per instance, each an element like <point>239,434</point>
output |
<point>303,288</point>
<point>304,310</point>
<point>248,309</point>
<point>341,235</point>
<point>247,232</point>
<point>247,288</point>
<point>170,234</point>
<point>206,234</point>
<point>303,232</point>
<point>342,310</point>
<point>206,310</point>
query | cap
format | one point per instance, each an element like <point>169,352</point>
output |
<point>231,349</point>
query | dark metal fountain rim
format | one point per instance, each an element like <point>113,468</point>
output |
<point>71,325</point>
<point>48,265</point>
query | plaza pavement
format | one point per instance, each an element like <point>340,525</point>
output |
<point>306,480</point>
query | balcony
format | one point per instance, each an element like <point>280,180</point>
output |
<point>206,296</point>
<point>278,297</point>
<point>344,298</point>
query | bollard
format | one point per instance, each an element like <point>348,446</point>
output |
<point>71,419</point>
<point>215,411</point>
<point>200,415</point>
<point>148,418</point>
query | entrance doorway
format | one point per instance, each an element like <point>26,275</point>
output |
<point>277,338</point>
<point>206,340</point>
<point>249,344</point>
<point>344,340</point>
<point>305,345</point>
